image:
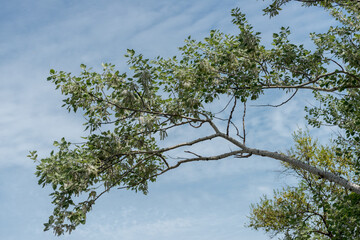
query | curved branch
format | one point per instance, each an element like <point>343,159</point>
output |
<point>305,85</point>
<point>212,158</point>
<point>278,105</point>
<point>296,163</point>
<point>230,117</point>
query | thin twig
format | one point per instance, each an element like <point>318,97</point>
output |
<point>243,122</point>
<point>225,106</point>
<point>193,153</point>
<point>230,117</point>
<point>237,129</point>
<point>278,105</point>
<point>337,64</point>
<point>212,158</point>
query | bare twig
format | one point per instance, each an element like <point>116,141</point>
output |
<point>243,123</point>
<point>225,106</point>
<point>230,117</point>
<point>237,129</point>
<point>212,158</point>
<point>164,160</point>
<point>278,105</point>
<point>337,64</point>
<point>193,153</point>
<point>191,124</point>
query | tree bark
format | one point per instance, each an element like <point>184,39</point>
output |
<point>296,163</point>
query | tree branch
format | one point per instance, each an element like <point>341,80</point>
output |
<point>212,158</point>
<point>230,117</point>
<point>278,105</point>
<point>296,163</point>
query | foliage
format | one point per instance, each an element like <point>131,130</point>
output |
<point>128,114</point>
<point>316,208</point>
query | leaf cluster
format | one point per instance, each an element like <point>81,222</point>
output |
<point>315,208</point>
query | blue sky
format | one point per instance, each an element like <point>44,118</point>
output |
<point>197,201</point>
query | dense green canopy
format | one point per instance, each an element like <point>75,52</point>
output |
<point>127,114</point>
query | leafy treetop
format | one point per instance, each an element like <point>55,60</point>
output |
<point>127,114</point>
